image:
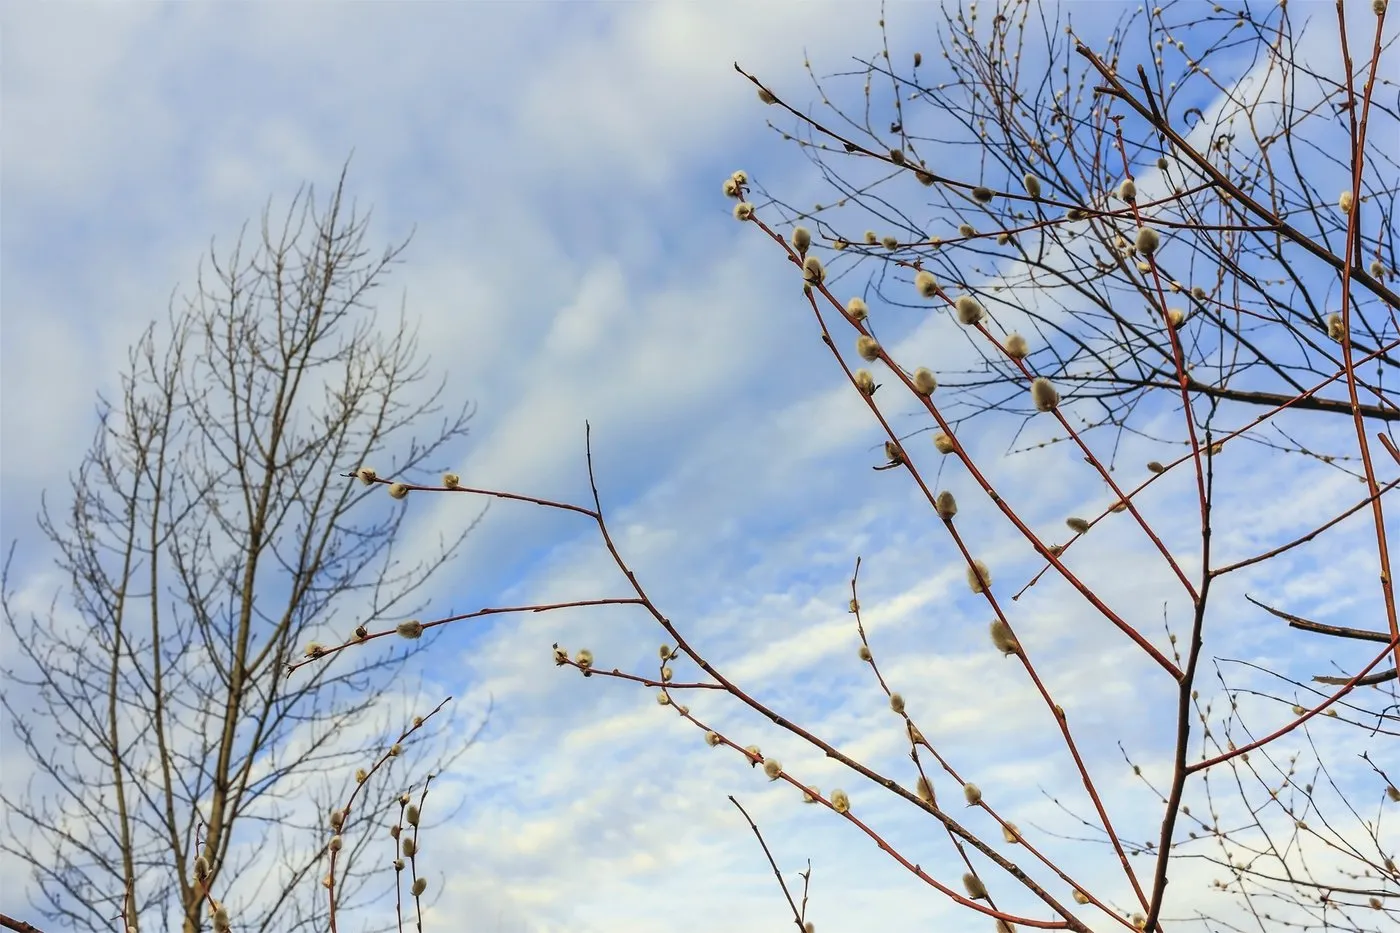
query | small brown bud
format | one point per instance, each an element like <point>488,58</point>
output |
<point>982,195</point>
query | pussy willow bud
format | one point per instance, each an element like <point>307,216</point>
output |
<point>1077,525</point>
<point>857,310</point>
<point>1010,833</point>
<point>982,195</point>
<point>897,156</point>
<point>840,802</point>
<point>712,739</point>
<point>743,211</point>
<point>730,188</point>
<point>893,454</point>
<point>337,819</point>
<point>813,272</point>
<point>1043,394</point>
<point>398,490</point>
<point>1032,185</point>
<point>810,793</point>
<point>896,702</point>
<point>978,576</point>
<point>925,283</point>
<point>1346,202</point>
<point>924,381</point>
<point>419,886</point>
<point>967,230</point>
<point>870,238</point>
<point>1075,213</point>
<point>925,178</point>
<point>662,699</point>
<point>924,789</point>
<point>584,659</point>
<point>969,309</point>
<point>868,348</point>
<point>411,814</point>
<point>864,653</point>
<point>1147,241</point>
<point>766,96</point>
<point>1016,347</point>
<point>945,505</point>
<point>943,443</point>
<point>1155,467</point>
<point>201,868</point>
<point>975,888</point>
<point>865,382</point>
<point>361,775</point>
<point>451,480</point>
<point>889,242</point>
<point>366,475</point>
<point>221,919</point>
<point>971,793</point>
<point>410,848</point>
<point>1336,328</point>
<point>395,750</point>
<point>801,240</point>
<point>1080,897</point>
<point>410,629</point>
<point>1127,190</point>
<point>918,59</point>
<point>1176,317</point>
<point>772,768</point>
<point>1002,639</point>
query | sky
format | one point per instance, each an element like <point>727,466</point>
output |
<point>573,259</point>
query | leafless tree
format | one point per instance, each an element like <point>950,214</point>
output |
<point>205,550</point>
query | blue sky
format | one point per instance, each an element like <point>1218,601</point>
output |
<point>573,258</point>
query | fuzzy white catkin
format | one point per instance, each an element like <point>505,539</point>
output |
<point>925,283</point>
<point>924,381</point>
<point>1016,347</point>
<point>1147,241</point>
<point>868,348</point>
<point>978,576</point>
<point>801,239</point>
<point>969,309</point>
<point>1043,394</point>
<point>1032,185</point>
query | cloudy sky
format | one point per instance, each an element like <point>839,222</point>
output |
<point>573,258</point>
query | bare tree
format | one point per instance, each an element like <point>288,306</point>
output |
<point>1129,246</point>
<point>205,550</point>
